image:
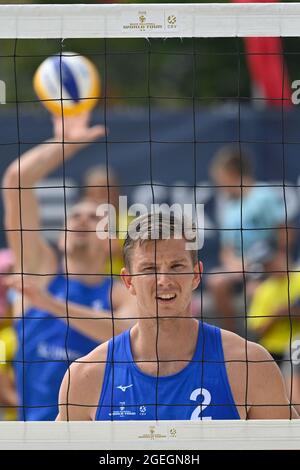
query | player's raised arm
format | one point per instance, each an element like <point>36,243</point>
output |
<point>22,220</point>
<point>99,325</point>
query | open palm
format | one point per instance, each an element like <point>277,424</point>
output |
<point>76,129</point>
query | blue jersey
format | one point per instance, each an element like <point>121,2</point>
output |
<point>200,391</point>
<point>46,346</point>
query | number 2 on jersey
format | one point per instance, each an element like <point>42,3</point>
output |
<point>197,413</point>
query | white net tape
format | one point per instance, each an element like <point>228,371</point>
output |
<point>210,435</point>
<point>161,20</point>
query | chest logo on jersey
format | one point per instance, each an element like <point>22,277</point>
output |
<point>124,387</point>
<point>122,412</point>
<point>143,410</point>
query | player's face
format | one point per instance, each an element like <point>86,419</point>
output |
<point>229,182</point>
<point>82,224</point>
<point>162,277</point>
<point>97,190</point>
<point>277,266</point>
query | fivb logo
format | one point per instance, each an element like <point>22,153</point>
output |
<point>194,235</point>
<point>2,92</point>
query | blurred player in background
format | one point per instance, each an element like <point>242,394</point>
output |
<point>95,188</point>
<point>47,344</point>
<point>95,185</point>
<point>6,266</point>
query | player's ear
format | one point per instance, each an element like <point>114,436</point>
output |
<point>198,270</point>
<point>127,280</point>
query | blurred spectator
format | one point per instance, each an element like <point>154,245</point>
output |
<point>6,264</point>
<point>8,396</point>
<point>249,213</point>
<point>272,313</point>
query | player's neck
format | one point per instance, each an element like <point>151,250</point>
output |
<point>89,271</point>
<point>248,184</point>
<point>174,340</point>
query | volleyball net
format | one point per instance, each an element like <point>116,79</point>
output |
<point>196,116</point>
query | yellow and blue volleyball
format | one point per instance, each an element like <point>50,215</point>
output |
<point>67,84</point>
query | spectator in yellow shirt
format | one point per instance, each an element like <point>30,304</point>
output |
<point>8,395</point>
<point>273,314</point>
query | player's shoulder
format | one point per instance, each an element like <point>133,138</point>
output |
<point>237,348</point>
<point>251,371</point>
<point>91,366</point>
<point>82,384</point>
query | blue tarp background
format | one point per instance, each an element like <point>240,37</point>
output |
<point>179,154</point>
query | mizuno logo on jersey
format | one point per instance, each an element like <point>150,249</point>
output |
<point>124,387</point>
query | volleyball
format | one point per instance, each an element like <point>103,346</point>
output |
<point>68,84</point>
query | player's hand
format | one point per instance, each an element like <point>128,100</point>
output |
<point>76,129</point>
<point>37,297</point>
